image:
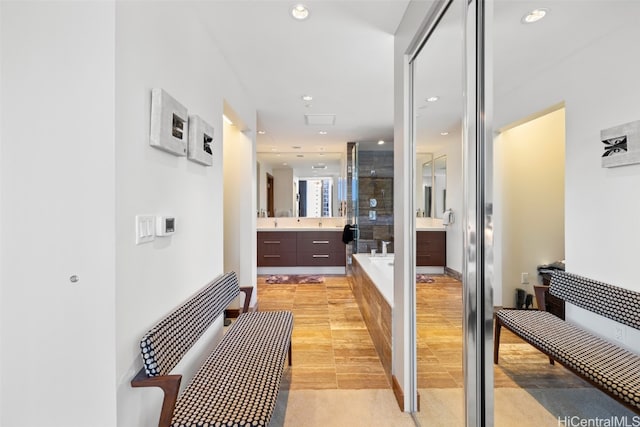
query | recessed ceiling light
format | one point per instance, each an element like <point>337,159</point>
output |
<point>322,132</point>
<point>300,12</point>
<point>261,132</point>
<point>380,142</point>
<point>274,149</point>
<point>284,164</point>
<point>444,133</point>
<point>433,98</point>
<point>534,16</point>
<point>307,98</point>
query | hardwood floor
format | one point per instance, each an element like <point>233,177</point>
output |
<point>332,348</point>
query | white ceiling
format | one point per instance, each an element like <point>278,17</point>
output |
<point>342,55</point>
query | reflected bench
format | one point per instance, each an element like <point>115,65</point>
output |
<point>607,366</point>
<point>238,383</point>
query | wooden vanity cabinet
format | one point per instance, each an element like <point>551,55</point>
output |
<point>301,249</point>
<point>320,248</point>
<point>431,248</point>
<point>276,249</point>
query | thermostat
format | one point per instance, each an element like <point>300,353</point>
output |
<point>165,225</point>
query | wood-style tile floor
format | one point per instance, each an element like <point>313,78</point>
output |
<point>332,348</point>
<point>439,331</point>
<point>331,345</point>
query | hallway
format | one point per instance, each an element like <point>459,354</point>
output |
<point>337,377</point>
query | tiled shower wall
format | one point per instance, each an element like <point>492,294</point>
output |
<point>375,175</point>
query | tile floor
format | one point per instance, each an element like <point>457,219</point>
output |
<point>337,378</point>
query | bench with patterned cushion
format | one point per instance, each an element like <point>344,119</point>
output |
<point>238,383</point>
<point>613,369</point>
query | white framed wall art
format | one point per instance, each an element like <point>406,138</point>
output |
<point>169,123</point>
<point>200,141</point>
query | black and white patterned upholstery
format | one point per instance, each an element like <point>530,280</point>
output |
<point>619,304</point>
<point>165,344</point>
<point>238,384</point>
<point>612,368</point>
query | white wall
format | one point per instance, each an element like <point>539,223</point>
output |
<point>529,200</point>
<point>403,211</point>
<point>453,150</point>
<point>240,243</point>
<point>164,44</point>
<point>57,214</point>
<point>602,212</point>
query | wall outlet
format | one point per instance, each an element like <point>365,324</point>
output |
<point>524,278</point>
<point>619,333</point>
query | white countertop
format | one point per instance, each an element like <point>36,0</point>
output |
<point>429,224</point>
<point>300,224</point>
<point>300,228</point>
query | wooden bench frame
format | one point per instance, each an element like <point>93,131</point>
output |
<point>170,383</point>
<point>581,302</point>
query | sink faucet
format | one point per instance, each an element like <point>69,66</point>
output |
<point>275,222</point>
<point>384,247</point>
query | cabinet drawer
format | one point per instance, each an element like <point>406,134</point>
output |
<point>431,248</point>
<point>276,242</point>
<point>431,260</point>
<point>320,258</point>
<point>284,259</point>
<point>313,241</point>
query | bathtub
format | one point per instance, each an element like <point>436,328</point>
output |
<point>380,271</point>
<point>372,285</point>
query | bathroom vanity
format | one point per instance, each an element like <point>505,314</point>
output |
<point>306,246</point>
<point>301,248</point>
<point>431,246</point>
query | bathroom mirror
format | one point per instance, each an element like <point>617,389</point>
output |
<point>424,184</point>
<point>439,193</point>
<point>301,184</point>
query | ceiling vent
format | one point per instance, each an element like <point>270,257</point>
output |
<point>320,119</point>
<point>319,166</point>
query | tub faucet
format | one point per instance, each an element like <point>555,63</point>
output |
<point>384,247</point>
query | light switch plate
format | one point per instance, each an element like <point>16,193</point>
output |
<point>145,229</point>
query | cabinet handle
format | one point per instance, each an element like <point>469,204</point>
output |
<point>271,256</point>
<point>321,256</point>
<point>271,242</point>
<point>324,242</point>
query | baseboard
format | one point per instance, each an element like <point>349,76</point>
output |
<point>452,273</point>
<point>397,392</point>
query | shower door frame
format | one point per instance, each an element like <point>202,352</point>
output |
<point>477,206</point>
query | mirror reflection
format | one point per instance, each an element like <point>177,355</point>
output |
<point>439,186</point>
<point>301,184</point>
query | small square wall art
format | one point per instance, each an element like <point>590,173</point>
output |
<point>200,141</point>
<point>621,145</point>
<point>169,123</point>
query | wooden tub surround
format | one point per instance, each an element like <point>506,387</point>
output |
<point>238,383</point>
<point>376,312</point>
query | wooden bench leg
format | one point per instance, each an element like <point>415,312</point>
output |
<point>290,354</point>
<point>170,385</point>
<point>496,340</point>
<point>551,361</point>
